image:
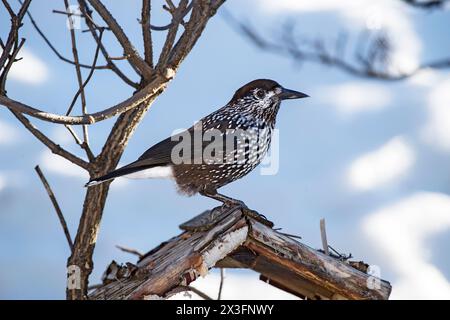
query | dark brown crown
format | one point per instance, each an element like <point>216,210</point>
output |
<point>265,84</point>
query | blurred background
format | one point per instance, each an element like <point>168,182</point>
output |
<point>369,155</point>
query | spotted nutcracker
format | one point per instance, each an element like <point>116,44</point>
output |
<point>221,148</point>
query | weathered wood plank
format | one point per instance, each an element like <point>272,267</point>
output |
<point>176,262</point>
<point>322,270</point>
<point>225,238</point>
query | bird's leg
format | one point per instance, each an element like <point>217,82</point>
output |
<point>230,202</point>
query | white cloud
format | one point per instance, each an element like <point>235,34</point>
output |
<point>388,15</point>
<point>400,231</point>
<point>389,162</point>
<point>30,69</point>
<point>425,78</point>
<point>237,286</point>
<point>56,164</point>
<point>63,136</point>
<point>352,97</point>
<point>8,133</point>
<point>437,129</point>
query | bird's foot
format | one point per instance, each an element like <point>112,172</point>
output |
<point>257,216</point>
<point>253,214</point>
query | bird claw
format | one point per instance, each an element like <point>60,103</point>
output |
<point>235,203</point>
<point>253,214</point>
<point>257,216</point>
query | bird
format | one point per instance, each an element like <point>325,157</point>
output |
<point>218,149</point>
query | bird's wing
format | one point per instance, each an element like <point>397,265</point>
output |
<point>161,153</point>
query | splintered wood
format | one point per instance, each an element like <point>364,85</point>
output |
<point>227,239</point>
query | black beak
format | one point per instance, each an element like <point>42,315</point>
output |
<point>291,94</point>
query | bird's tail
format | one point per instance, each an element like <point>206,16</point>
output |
<point>115,174</point>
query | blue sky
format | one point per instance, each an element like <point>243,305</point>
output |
<point>370,157</point>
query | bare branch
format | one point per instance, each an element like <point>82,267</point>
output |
<point>139,97</point>
<point>8,8</point>
<point>52,197</point>
<point>84,146</point>
<point>201,12</point>
<point>8,66</point>
<point>130,250</point>
<point>145,70</point>
<point>49,143</point>
<point>55,148</point>
<point>67,13</point>
<point>199,17</point>
<point>53,48</point>
<point>177,17</point>
<point>431,4</point>
<point>12,40</point>
<point>200,293</point>
<point>78,72</point>
<point>146,32</point>
<point>170,25</point>
<point>365,66</point>
<point>87,13</point>
<point>74,135</point>
<point>119,58</point>
<point>222,278</point>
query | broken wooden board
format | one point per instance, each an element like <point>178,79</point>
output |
<point>226,238</point>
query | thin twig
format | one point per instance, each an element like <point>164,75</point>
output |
<point>52,197</point>
<point>8,8</point>
<point>431,4</point>
<point>168,26</point>
<point>149,91</point>
<point>130,250</point>
<point>55,148</point>
<point>146,32</point>
<point>293,236</point>
<point>222,278</point>
<point>13,35</point>
<point>118,58</point>
<point>177,17</point>
<point>85,144</point>
<point>8,66</point>
<point>135,60</point>
<point>318,54</point>
<point>78,73</point>
<point>74,135</point>
<point>67,13</point>
<point>87,13</point>
<point>78,141</point>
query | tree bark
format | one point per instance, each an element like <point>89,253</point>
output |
<point>94,203</point>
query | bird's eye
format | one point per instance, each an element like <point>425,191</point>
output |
<point>259,94</point>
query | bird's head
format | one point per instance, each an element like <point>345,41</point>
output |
<point>263,94</point>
